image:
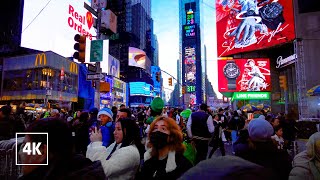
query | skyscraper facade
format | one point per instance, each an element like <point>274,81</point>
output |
<point>192,49</point>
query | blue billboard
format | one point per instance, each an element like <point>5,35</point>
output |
<point>140,89</point>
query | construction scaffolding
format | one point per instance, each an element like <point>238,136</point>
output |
<point>301,80</point>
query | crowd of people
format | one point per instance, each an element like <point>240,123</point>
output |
<point>162,143</point>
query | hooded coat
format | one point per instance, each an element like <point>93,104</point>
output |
<point>306,165</point>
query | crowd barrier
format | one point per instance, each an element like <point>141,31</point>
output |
<point>8,168</point>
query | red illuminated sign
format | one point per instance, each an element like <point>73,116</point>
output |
<point>247,25</point>
<point>244,75</point>
<point>78,22</point>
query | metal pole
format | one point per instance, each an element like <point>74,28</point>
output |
<point>286,101</point>
<point>97,82</point>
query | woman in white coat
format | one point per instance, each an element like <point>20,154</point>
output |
<point>121,159</point>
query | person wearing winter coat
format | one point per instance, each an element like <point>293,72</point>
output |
<point>105,123</point>
<point>122,158</point>
<point>306,165</point>
<point>164,159</point>
<point>235,124</point>
<point>260,149</point>
<point>62,162</point>
<point>216,140</point>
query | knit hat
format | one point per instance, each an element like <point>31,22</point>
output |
<point>186,113</point>
<point>157,104</point>
<point>260,130</point>
<point>107,112</point>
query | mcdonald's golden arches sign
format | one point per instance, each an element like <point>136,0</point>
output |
<point>73,68</point>
<point>41,60</point>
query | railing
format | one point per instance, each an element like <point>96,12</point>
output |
<point>8,168</point>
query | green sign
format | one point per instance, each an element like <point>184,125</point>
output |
<point>96,51</point>
<point>251,95</point>
<point>191,89</point>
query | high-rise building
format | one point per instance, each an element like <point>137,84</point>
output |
<point>192,49</point>
<point>135,29</point>
<point>133,26</point>
<point>155,45</point>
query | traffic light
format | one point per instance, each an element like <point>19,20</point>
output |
<point>80,46</point>
<point>283,82</point>
<point>183,89</point>
<point>170,81</point>
<point>158,76</point>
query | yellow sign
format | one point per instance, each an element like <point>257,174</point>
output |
<point>41,59</point>
<point>73,67</point>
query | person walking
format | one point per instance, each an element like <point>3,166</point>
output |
<point>199,128</point>
<point>216,141</point>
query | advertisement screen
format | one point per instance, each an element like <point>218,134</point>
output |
<point>52,25</point>
<point>140,89</point>
<point>247,25</point>
<point>113,67</point>
<point>138,58</point>
<point>244,75</point>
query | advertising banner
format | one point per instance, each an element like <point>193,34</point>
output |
<point>113,67</point>
<point>244,75</point>
<point>140,89</point>
<point>138,58</point>
<point>247,25</point>
<point>51,25</point>
<point>251,96</point>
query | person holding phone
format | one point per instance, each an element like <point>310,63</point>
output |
<point>106,126</point>
<point>121,159</point>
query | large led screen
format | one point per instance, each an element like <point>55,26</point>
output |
<point>244,75</point>
<point>51,25</point>
<point>138,58</point>
<point>247,25</point>
<point>140,89</point>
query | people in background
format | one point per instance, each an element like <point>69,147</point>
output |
<point>105,123</point>
<point>122,106</point>
<point>123,113</point>
<point>199,128</point>
<point>216,140</point>
<point>278,137</point>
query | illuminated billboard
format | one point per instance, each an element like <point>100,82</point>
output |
<point>113,67</point>
<point>138,58</point>
<point>189,31</point>
<point>244,75</point>
<point>51,25</point>
<point>140,89</point>
<point>247,25</point>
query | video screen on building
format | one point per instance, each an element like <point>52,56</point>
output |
<point>51,25</point>
<point>244,75</point>
<point>140,89</point>
<point>247,25</point>
<point>138,58</point>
